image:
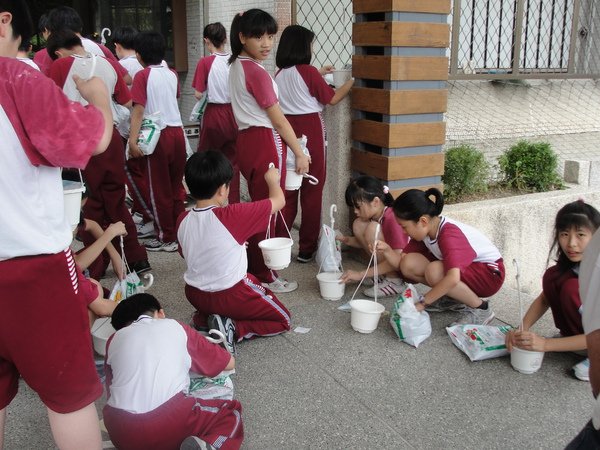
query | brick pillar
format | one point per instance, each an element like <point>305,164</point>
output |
<point>401,69</point>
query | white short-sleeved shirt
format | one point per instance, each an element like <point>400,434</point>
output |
<point>252,91</point>
<point>32,151</point>
<point>212,76</point>
<point>148,362</point>
<point>29,62</point>
<point>212,242</point>
<point>63,69</point>
<point>302,90</point>
<point>131,64</point>
<point>457,245</point>
<point>156,88</point>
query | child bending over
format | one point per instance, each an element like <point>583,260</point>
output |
<point>574,227</point>
<point>148,361</point>
<point>452,258</point>
<point>212,239</point>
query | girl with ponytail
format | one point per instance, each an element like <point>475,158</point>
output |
<point>372,202</point>
<point>452,258</point>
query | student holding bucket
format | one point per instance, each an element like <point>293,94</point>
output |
<point>574,227</point>
<point>212,238</point>
<point>42,311</point>
<point>372,203</point>
<point>302,94</point>
<point>261,123</point>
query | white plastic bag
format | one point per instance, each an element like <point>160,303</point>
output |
<point>411,326</point>
<point>290,159</point>
<point>479,342</point>
<point>328,257</point>
<point>219,387</point>
<point>122,119</point>
<point>149,133</point>
<point>198,109</point>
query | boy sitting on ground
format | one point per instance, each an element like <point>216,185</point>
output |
<point>212,238</point>
<point>148,361</point>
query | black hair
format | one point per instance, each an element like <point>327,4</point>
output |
<point>206,172</point>
<point>150,45</point>
<point>21,23</point>
<point>61,39</point>
<point>215,33</point>
<point>64,18</point>
<point>251,23</point>
<point>125,37</point>
<point>43,23</point>
<point>576,214</point>
<point>129,309</point>
<point>294,47</point>
<point>24,47</point>
<point>365,189</point>
<point>414,203</point>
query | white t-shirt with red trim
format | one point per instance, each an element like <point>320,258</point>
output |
<point>252,91</point>
<point>302,90</point>
<point>156,88</point>
<point>212,76</point>
<point>41,131</point>
<point>63,69</point>
<point>131,64</point>
<point>149,361</point>
<point>101,50</point>
<point>457,245</point>
<point>212,242</point>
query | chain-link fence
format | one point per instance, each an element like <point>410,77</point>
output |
<point>331,21</point>
<point>525,39</point>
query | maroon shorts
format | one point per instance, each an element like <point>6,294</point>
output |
<point>44,333</point>
<point>485,279</point>
<point>217,422</point>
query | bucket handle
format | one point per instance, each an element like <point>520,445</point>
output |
<point>372,259</point>
<point>311,179</point>
<point>268,235</point>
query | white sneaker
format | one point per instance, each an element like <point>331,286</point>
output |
<point>281,286</point>
<point>386,288</point>
<point>370,281</point>
<point>159,246</point>
<point>475,316</point>
<point>145,230</point>
<point>582,370</point>
<point>195,443</point>
<point>446,304</point>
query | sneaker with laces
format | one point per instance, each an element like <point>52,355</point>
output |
<point>226,326</point>
<point>386,288</point>
<point>305,257</point>
<point>475,316</point>
<point>195,443</point>
<point>155,245</point>
<point>145,230</point>
<point>281,286</point>
<point>370,281</point>
<point>582,370</point>
<point>445,304</point>
<point>140,267</point>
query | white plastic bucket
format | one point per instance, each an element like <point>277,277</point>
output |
<point>365,314</point>
<point>72,191</point>
<point>101,331</point>
<point>277,252</point>
<point>526,361</point>
<point>341,76</point>
<point>330,286</point>
<point>293,181</point>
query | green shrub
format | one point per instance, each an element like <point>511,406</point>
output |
<point>530,166</point>
<point>466,172</point>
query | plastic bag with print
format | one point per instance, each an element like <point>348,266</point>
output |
<point>411,326</point>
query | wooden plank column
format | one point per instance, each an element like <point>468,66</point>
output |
<point>400,95</point>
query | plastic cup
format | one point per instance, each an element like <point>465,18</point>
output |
<point>526,361</point>
<point>330,286</point>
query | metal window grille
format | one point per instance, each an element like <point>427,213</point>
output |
<point>331,21</point>
<point>525,39</point>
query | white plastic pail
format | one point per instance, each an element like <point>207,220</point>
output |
<point>101,331</point>
<point>277,252</point>
<point>341,76</point>
<point>365,314</point>
<point>330,286</point>
<point>72,191</point>
<point>526,361</point>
